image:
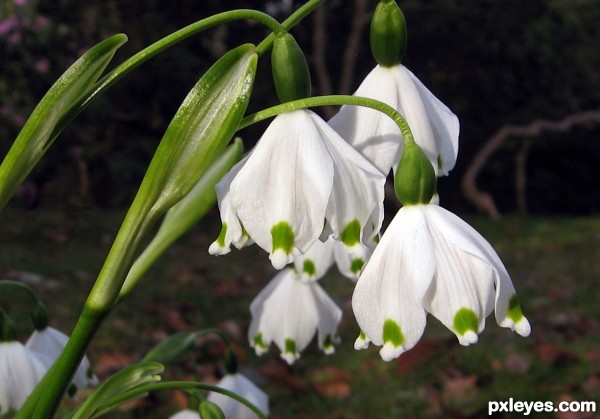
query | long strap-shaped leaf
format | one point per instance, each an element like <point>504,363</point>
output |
<point>35,137</point>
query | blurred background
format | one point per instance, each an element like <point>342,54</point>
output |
<point>495,64</point>
<point>523,78</point>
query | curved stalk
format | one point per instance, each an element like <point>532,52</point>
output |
<point>332,101</point>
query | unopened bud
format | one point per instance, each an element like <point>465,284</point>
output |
<point>415,180</point>
<point>290,70</point>
<point>388,34</point>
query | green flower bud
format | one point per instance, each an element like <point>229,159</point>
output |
<point>231,363</point>
<point>290,70</point>
<point>8,331</point>
<point>415,180</point>
<point>39,316</point>
<point>388,34</point>
<point>209,410</point>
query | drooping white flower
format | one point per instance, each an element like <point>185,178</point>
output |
<point>288,311</point>
<point>232,409</point>
<point>429,260</point>
<point>20,372</point>
<point>434,126</point>
<point>300,175</point>
<point>315,263</point>
<point>48,344</point>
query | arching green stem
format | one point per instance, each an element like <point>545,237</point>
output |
<point>332,101</point>
<point>158,47</point>
<point>289,23</point>
<point>19,285</point>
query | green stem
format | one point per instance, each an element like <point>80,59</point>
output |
<point>45,399</point>
<point>332,101</point>
<point>185,385</point>
<point>158,47</point>
<point>289,23</point>
<point>21,286</point>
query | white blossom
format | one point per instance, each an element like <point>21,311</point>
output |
<point>377,137</point>
<point>431,261</point>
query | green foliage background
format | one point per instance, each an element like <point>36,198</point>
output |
<point>493,63</point>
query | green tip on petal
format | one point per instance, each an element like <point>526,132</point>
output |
<point>221,239</point>
<point>465,320</point>
<point>356,265</point>
<point>258,341</point>
<point>283,237</point>
<point>309,268</point>
<point>514,309</point>
<point>392,333</point>
<point>350,236</point>
<point>290,346</point>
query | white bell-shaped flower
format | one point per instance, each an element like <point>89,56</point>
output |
<point>378,138</point>
<point>232,409</point>
<point>48,344</point>
<point>300,175</point>
<point>289,311</point>
<point>20,371</point>
<point>429,260</point>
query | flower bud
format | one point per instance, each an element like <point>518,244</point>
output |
<point>210,410</point>
<point>388,34</point>
<point>290,70</point>
<point>39,316</point>
<point>8,331</point>
<point>415,180</point>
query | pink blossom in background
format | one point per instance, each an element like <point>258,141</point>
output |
<point>8,25</point>
<point>42,66</point>
<point>20,2</point>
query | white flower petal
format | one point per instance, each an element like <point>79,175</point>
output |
<point>50,343</point>
<point>288,315</point>
<point>20,372</point>
<point>462,282</point>
<point>240,385</point>
<point>445,126</point>
<point>330,316</point>
<point>462,235</point>
<point>315,263</point>
<point>395,279</point>
<point>288,178</point>
<point>358,186</point>
<point>375,135</point>
<point>435,128</point>
<point>233,232</point>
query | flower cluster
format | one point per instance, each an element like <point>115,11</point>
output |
<point>311,193</point>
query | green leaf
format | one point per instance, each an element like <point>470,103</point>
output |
<point>36,135</point>
<point>201,128</point>
<point>171,348</point>
<point>127,380</point>
<point>183,215</point>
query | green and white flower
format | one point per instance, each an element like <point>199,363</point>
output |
<point>300,175</point>
<point>289,311</point>
<point>431,261</point>
<point>378,138</point>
